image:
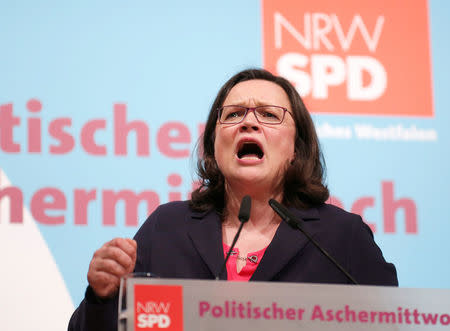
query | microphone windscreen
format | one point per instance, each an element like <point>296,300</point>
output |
<point>279,208</point>
<point>244,211</point>
<point>283,212</point>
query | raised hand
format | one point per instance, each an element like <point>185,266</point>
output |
<point>113,260</point>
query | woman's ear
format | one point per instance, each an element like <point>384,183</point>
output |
<point>293,158</point>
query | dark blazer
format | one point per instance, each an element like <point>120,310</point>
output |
<point>176,242</point>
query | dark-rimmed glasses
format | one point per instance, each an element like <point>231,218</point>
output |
<point>264,114</point>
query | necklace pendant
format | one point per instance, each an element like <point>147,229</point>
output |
<point>253,258</point>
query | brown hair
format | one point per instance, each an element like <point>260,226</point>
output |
<point>303,185</point>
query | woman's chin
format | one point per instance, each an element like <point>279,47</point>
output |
<point>253,178</point>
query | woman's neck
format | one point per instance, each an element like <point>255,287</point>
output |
<point>261,214</point>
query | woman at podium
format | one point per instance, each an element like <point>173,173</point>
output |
<point>259,141</point>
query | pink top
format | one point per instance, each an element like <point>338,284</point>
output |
<point>247,271</point>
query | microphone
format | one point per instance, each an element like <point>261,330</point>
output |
<point>243,216</point>
<point>286,215</point>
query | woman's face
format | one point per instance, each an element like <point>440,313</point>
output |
<point>249,152</point>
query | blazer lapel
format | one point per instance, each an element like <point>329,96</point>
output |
<point>286,243</point>
<point>205,231</point>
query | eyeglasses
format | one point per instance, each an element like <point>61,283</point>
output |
<point>263,114</point>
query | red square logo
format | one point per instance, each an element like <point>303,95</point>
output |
<point>158,307</point>
<point>360,57</point>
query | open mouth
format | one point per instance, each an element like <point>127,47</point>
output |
<point>250,149</point>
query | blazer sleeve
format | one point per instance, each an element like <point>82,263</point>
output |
<point>367,264</point>
<point>94,314</point>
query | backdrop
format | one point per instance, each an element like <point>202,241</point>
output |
<point>102,103</point>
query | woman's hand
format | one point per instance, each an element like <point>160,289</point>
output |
<point>113,260</point>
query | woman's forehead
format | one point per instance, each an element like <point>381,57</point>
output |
<point>257,92</point>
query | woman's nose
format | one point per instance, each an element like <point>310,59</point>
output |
<point>250,121</point>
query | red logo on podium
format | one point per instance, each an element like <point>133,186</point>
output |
<point>158,307</point>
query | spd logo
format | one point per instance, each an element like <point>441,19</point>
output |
<point>158,307</point>
<point>352,56</point>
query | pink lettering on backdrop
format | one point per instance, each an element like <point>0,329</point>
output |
<point>48,199</point>
<point>45,202</point>
<point>66,141</point>
<point>173,141</point>
<point>7,123</point>
<point>81,202</point>
<point>15,197</point>
<point>174,180</point>
<point>174,133</point>
<point>173,138</point>
<point>34,127</point>
<point>131,201</point>
<point>122,128</point>
<point>88,137</point>
<point>390,207</point>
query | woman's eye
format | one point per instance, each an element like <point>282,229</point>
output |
<point>268,114</point>
<point>234,113</point>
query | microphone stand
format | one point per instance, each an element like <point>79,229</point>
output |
<point>295,223</point>
<point>244,216</point>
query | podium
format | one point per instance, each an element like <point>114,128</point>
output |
<point>193,305</point>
